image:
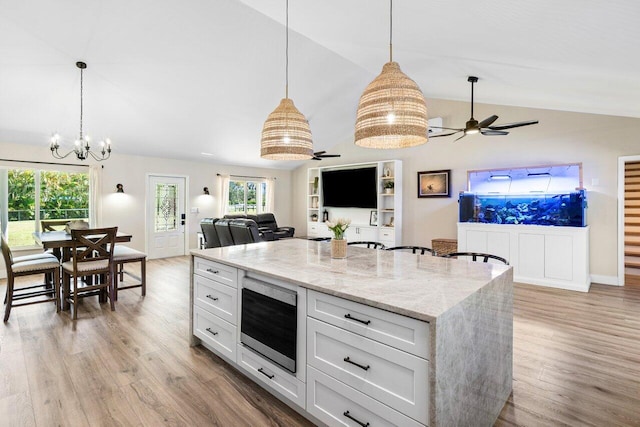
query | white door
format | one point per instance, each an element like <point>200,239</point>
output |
<point>166,216</point>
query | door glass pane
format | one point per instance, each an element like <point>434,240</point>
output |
<point>236,197</point>
<point>166,215</point>
<point>251,198</point>
<point>21,207</point>
<point>64,195</point>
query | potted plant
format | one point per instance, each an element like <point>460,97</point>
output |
<point>388,187</point>
<point>338,242</point>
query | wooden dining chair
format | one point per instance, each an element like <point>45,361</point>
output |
<point>27,266</point>
<point>53,224</point>
<point>91,255</point>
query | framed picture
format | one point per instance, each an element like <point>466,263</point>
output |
<point>434,183</point>
<point>373,218</point>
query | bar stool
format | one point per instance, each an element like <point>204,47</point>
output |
<point>123,255</point>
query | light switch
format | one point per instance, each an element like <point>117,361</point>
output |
<point>195,210</point>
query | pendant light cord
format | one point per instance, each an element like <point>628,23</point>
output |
<point>390,30</point>
<point>81,89</point>
<point>286,87</point>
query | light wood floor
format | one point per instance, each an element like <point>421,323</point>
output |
<point>576,362</point>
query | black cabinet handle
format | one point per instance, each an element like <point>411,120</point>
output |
<point>348,360</point>
<point>346,414</point>
<point>348,316</point>
<point>211,332</point>
<point>212,297</point>
<point>265,374</point>
<point>212,271</point>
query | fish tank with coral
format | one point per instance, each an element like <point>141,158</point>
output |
<point>541,195</point>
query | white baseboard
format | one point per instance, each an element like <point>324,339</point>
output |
<point>605,280</point>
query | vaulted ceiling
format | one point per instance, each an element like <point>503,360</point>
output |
<point>180,78</point>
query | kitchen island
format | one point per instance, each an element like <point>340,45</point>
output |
<point>383,336</point>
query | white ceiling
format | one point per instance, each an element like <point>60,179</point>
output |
<point>179,78</point>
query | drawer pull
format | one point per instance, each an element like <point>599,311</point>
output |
<point>346,414</point>
<point>211,332</point>
<point>212,271</point>
<point>348,360</point>
<point>265,374</point>
<point>212,297</point>
<point>348,316</point>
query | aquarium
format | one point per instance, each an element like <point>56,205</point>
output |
<point>566,209</point>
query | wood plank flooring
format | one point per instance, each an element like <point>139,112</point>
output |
<point>576,362</point>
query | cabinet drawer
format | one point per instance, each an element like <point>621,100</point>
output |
<point>216,271</point>
<point>387,235</point>
<point>214,331</point>
<point>394,377</point>
<point>333,402</point>
<point>219,299</point>
<point>271,375</point>
<point>398,331</point>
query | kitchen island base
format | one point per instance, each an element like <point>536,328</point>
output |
<point>440,329</point>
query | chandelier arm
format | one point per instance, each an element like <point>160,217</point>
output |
<point>103,157</point>
<point>54,152</point>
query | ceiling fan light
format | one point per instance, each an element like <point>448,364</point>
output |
<point>391,95</point>
<point>286,134</point>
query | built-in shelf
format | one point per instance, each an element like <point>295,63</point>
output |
<point>389,206</point>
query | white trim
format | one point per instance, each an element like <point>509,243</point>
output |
<point>605,280</point>
<point>580,287</point>
<point>621,165</point>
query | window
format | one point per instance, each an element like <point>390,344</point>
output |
<point>247,197</point>
<point>30,195</point>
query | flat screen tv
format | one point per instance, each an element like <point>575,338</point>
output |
<point>350,188</point>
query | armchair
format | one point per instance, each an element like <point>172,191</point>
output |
<point>267,221</point>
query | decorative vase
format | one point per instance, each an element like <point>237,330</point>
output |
<point>338,248</point>
<point>388,190</point>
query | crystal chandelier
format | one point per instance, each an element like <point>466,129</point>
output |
<point>82,148</point>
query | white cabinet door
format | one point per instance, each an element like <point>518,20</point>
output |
<point>531,255</point>
<point>558,257</point>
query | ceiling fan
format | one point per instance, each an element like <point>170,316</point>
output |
<point>319,155</point>
<point>484,127</point>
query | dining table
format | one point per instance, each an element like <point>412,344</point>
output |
<point>61,242</point>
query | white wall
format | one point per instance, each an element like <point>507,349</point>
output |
<point>127,211</point>
<point>561,137</point>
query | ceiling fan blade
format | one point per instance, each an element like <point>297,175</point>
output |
<point>493,132</point>
<point>460,137</point>
<point>441,127</point>
<point>486,122</point>
<point>444,134</point>
<point>513,125</point>
<point>318,153</point>
<point>316,158</point>
<point>323,156</point>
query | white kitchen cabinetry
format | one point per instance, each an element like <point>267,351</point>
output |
<point>540,255</point>
<point>386,229</point>
<point>215,306</point>
<point>354,344</point>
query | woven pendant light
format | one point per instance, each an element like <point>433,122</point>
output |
<point>286,134</point>
<point>392,112</point>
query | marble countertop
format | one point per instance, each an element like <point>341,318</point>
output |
<point>418,286</point>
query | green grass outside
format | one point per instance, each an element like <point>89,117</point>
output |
<point>21,233</point>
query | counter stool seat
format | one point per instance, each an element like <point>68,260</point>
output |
<point>26,266</point>
<point>123,255</point>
